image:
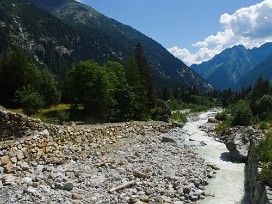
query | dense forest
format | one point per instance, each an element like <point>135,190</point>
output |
<point>103,92</point>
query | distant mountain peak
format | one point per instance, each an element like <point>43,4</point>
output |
<point>226,69</point>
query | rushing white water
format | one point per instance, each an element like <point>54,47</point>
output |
<point>228,185</point>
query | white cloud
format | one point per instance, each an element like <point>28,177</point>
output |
<point>251,27</point>
<point>203,54</point>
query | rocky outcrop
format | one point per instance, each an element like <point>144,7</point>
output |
<point>258,192</point>
<point>241,142</point>
<point>237,141</point>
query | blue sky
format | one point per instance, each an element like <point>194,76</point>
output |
<point>194,30</point>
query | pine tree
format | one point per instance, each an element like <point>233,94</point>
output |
<point>144,71</point>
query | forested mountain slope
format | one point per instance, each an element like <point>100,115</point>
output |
<point>60,33</point>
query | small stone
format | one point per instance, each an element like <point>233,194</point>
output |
<point>8,179</point>
<point>31,190</point>
<point>8,168</point>
<point>194,198</point>
<point>58,186</point>
<point>5,160</point>
<point>186,189</point>
<point>20,155</point>
<point>24,166</point>
<point>27,180</point>
<point>144,198</point>
<point>168,139</point>
<point>76,196</point>
<point>68,186</point>
<point>13,159</point>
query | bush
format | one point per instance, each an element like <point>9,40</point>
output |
<point>264,107</point>
<point>264,149</point>
<point>179,117</point>
<point>263,153</point>
<point>221,116</point>
<point>264,125</point>
<point>266,176</point>
<point>241,113</point>
<point>30,100</point>
<point>156,113</point>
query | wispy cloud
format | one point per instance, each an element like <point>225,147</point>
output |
<point>251,27</point>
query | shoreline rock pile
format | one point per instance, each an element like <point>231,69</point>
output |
<point>128,163</point>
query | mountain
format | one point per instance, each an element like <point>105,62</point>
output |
<point>226,69</point>
<point>264,70</point>
<point>60,33</point>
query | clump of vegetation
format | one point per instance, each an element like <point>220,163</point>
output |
<point>222,116</point>
<point>241,114</point>
<point>179,117</point>
<point>263,153</point>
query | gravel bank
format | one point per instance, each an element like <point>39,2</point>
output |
<point>153,167</point>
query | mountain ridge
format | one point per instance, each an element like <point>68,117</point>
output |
<point>65,36</point>
<point>226,69</point>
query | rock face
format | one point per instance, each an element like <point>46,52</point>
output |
<point>237,141</point>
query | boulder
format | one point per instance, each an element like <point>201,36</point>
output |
<point>238,150</point>
<point>237,141</point>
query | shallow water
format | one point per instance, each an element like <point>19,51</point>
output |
<point>228,185</point>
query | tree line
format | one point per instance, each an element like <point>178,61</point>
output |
<point>104,92</point>
<point>249,106</point>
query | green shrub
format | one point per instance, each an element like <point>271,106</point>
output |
<point>179,117</point>
<point>266,176</point>
<point>264,125</point>
<point>223,126</point>
<point>264,149</point>
<point>30,100</point>
<point>263,153</point>
<point>174,104</point>
<point>241,113</point>
<point>156,113</point>
<point>221,116</point>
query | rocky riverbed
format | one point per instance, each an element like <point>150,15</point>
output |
<point>152,167</point>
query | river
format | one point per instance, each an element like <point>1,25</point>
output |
<point>228,184</point>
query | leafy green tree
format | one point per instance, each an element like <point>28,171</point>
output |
<point>264,107</point>
<point>30,100</point>
<point>241,113</point>
<point>90,86</point>
<point>121,92</point>
<point>48,87</point>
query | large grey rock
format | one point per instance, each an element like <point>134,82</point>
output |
<point>238,150</point>
<point>237,141</point>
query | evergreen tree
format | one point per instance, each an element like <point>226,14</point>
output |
<point>149,90</point>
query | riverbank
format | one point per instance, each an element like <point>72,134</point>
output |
<point>129,163</point>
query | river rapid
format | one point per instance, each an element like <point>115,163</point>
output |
<point>228,184</point>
